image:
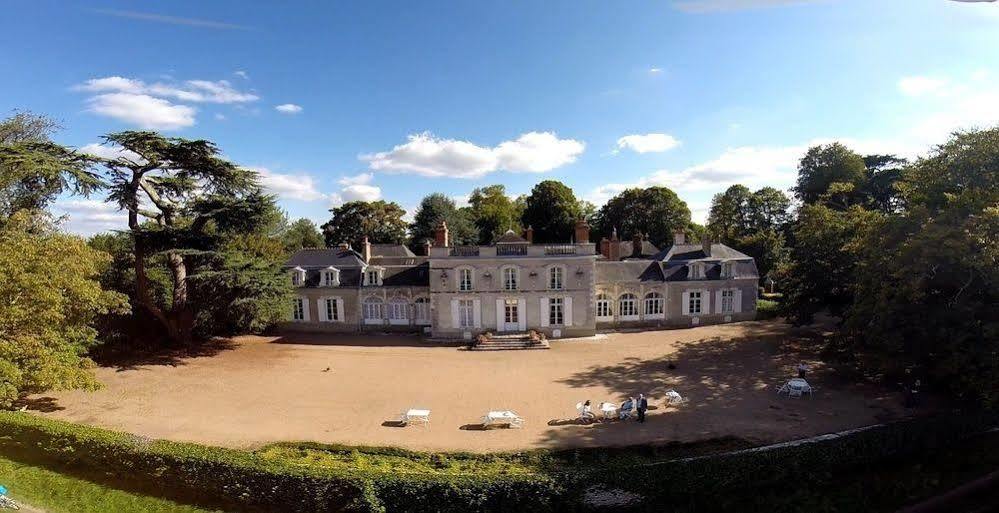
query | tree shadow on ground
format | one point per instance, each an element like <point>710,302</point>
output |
<point>124,360</point>
<point>41,404</point>
<point>730,385</point>
<point>353,339</point>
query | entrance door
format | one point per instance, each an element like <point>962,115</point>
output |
<point>511,315</point>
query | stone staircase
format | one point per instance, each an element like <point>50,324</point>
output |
<point>510,341</point>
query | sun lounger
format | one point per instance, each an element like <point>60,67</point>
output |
<point>502,418</point>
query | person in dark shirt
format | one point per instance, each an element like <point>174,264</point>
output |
<point>643,404</point>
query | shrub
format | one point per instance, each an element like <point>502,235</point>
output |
<point>766,309</point>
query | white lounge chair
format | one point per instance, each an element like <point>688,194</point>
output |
<point>502,418</point>
<point>584,412</point>
<point>673,398</point>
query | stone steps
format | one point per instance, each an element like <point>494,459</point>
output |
<point>509,342</point>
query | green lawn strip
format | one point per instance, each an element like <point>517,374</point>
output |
<point>58,493</point>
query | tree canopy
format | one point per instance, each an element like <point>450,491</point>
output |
<point>493,212</point>
<point>654,211</point>
<point>435,208</point>
<point>302,233</point>
<point>380,221</point>
<point>552,211</point>
<point>826,165</point>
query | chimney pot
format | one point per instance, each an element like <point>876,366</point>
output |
<point>441,235</point>
<point>529,234</point>
<point>582,231</point>
<point>679,237</point>
<point>366,249</point>
<point>706,245</point>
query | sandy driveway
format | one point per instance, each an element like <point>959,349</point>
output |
<point>269,389</point>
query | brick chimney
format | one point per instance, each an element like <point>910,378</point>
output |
<point>345,246</point>
<point>366,249</point>
<point>611,249</point>
<point>529,234</point>
<point>441,235</point>
<point>582,232</point>
<point>706,245</point>
<point>636,244</point>
<point>679,237</point>
<point>427,244</point>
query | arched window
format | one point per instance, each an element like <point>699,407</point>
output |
<point>604,307</point>
<point>556,277</point>
<point>422,307</point>
<point>398,311</point>
<point>627,306</point>
<point>372,310</point>
<point>653,304</point>
<point>510,278</point>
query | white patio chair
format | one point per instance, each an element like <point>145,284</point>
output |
<point>673,398</point>
<point>584,412</point>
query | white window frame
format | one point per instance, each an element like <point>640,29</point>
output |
<point>298,277</point>
<point>506,273</point>
<point>331,277</point>
<point>466,313</point>
<point>299,309</point>
<point>556,277</point>
<point>604,303</point>
<point>627,307</point>
<point>421,310</point>
<point>398,311</point>
<point>700,302</point>
<point>323,306</point>
<point>556,311</point>
<point>366,275</point>
<point>654,306</point>
<point>373,305</point>
<point>466,285</point>
<point>728,269</point>
<point>727,296</point>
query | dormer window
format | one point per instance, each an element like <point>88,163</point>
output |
<point>728,269</point>
<point>331,277</point>
<point>697,270</point>
<point>372,276</point>
<point>298,277</point>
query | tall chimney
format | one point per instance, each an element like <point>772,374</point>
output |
<point>706,245</point>
<point>366,249</point>
<point>426,247</point>
<point>582,232</point>
<point>605,248</point>
<point>529,234</point>
<point>679,237</point>
<point>441,236</point>
<point>636,245</point>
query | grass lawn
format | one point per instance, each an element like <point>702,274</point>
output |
<point>58,493</point>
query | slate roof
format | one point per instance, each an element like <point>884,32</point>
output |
<point>648,249</point>
<point>406,275</point>
<point>688,252</point>
<point>315,258</point>
<point>391,250</point>
<point>350,277</point>
<point>633,270</point>
<point>680,271</point>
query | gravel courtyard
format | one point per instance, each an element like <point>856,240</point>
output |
<point>344,388</point>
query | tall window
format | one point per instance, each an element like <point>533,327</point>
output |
<point>556,311</point>
<point>510,278</point>
<point>465,279</point>
<point>398,310</point>
<point>510,311</point>
<point>297,278</point>
<point>728,301</point>
<point>653,304</point>
<point>695,302</point>
<point>466,313</point>
<point>332,312</point>
<point>422,307</point>
<point>727,270</point>
<point>555,275</point>
<point>372,309</point>
<point>627,306</point>
<point>330,279</point>
<point>603,306</point>
<point>298,309</point>
<point>371,277</point>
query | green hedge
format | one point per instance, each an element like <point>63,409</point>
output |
<point>537,481</point>
<point>767,309</point>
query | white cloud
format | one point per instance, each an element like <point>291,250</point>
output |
<point>87,216</point>
<point>655,71</point>
<point>105,151</point>
<point>288,108</point>
<point>361,179</point>
<point>360,192</point>
<point>241,74</point>
<point>289,186</point>
<point>200,91</point>
<point>918,85</point>
<point>648,143</point>
<point>142,110</point>
<point>424,154</point>
<point>219,116</point>
<point>710,6</point>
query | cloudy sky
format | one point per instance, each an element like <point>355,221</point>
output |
<point>333,102</point>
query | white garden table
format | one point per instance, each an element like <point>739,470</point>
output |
<point>505,417</point>
<point>416,416</point>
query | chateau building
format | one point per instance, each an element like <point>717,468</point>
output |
<point>514,285</point>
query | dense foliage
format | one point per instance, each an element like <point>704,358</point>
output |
<point>493,212</point>
<point>49,301</point>
<point>434,209</point>
<point>656,212</point>
<point>380,221</point>
<point>551,210</point>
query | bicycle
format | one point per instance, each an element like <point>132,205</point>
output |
<point>6,502</point>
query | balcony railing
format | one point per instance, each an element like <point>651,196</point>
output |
<point>464,251</point>
<point>512,250</point>
<point>560,249</point>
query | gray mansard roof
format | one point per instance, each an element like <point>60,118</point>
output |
<point>672,264</point>
<point>628,270</point>
<point>688,252</point>
<point>406,275</point>
<point>316,258</point>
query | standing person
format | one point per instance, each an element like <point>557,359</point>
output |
<point>802,370</point>
<point>643,404</point>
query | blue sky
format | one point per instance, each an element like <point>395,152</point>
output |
<point>335,101</point>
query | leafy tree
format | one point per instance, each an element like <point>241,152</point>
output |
<point>552,211</point>
<point>927,280</point>
<point>654,211</point>
<point>51,298</point>
<point>379,220</point>
<point>820,272</point>
<point>823,166</point>
<point>493,212</point>
<point>769,209</point>
<point>302,233</point>
<point>435,208</point>
<point>33,169</point>
<point>768,247</point>
<point>180,197</point>
<point>730,216</point>
<point>880,189</point>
